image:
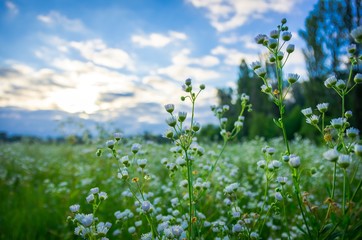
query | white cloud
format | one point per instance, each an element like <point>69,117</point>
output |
<point>182,58</point>
<point>226,15</point>
<point>12,8</point>
<point>98,52</point>
<point>181,69</point>
<point>157,40</point>
<point>247,41</point>
<point>54,18</point>
<point>233,56</point>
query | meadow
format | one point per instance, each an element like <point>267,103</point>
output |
<point>128,188</point>
<point>40,181</point>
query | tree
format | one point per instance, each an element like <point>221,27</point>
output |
<point>327,36</point>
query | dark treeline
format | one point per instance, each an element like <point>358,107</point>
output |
<point>327,36</point>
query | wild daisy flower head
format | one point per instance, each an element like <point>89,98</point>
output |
<point>294,161</point>
<point>136,147</point>
<point>293,77</point>
<point>358,150</point>
<point>74,208</point>
<point>357,34</point>
<point>352,132</point>
<point>255,65</point>
<point>341,84</point>
<point>331,155</point>
<point>307,112</point>
<point>337,123</point>
<point>272,43</point>
<point>344,160</point>
<point>286,36</point>
<point>260,38</point>
<point>274,34</point>
<point>330,82</point>
<point>110,144</point>
<point>322,107</point>
<point>313,120</point>
<point>146,206</point>
<point>261,72</point>
<point>171,121</point>
<point>169,108</point>
<point>117,136</point>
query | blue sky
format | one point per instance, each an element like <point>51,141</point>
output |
<point>118,62</point>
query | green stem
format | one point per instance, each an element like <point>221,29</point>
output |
<point>190,188</point>
<point>334,179</point>
<point>344,191</point>
<point>297,193</point>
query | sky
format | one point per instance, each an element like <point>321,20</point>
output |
<point>67,65</point>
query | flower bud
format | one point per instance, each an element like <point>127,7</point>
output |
<point>146,206</point>
<point>294,161</point>
<point>169,133</point>
<point>182,116</point>
<point>202,86</point>
<point>272,58</point>
<point>273,43</point>
<point>274,34</point>
<point>290,48</point>
<point>358,78</point>
<point>196,127</point>
<point>169,108</point>
<point>117,136</point>
<point>285,158</point>
<point>348,114</point>
<point>110,144</point>
<point>74,208</point>
<point>286,36</point>
<point>351,48</point>
<point>188,82</point>
<point>135,148</point>
<point>280,55</point>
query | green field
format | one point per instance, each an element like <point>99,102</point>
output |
<point>38,183</point>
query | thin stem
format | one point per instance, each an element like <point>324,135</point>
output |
<point>297,193</point>
<point>344,191</point>
<point>190,187</point>
<point>334,179</point>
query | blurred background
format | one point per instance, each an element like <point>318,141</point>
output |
<point>80,68</point>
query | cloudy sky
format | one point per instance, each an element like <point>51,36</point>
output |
<point>119,62</point>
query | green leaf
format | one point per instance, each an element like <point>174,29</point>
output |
<point>277,123</point>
